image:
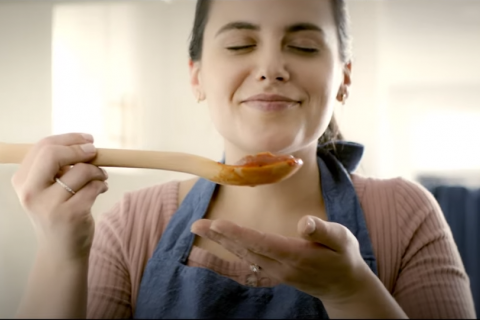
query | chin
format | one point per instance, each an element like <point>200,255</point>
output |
<point>276,144</point>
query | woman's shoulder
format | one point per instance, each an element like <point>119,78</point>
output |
<point>397,193</point>
<point>397,206</point>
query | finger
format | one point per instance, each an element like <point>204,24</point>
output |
<point>241,251</point>
<point>85,197</point>
<point>201,226</point>
<point>270,245</point>
<point>53,157</point>
<point>76,178</point>
<point>63,139</point>
<point>330,234</point>
<point>63,171</point>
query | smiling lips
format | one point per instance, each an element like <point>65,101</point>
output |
<point>270,102</point>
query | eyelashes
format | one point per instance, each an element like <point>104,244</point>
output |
<point>250,47</point>
<point>240,48</point>
<point>307,50</point>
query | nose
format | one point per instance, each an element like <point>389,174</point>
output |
<point>272,67</point>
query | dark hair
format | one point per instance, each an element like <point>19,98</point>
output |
<point>340,12</point>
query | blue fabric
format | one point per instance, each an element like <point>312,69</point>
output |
<point>170,289</point>
<point>461,207</point>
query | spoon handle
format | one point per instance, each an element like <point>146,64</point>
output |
<point>171,161</point>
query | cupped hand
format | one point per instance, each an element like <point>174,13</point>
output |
<point>325,262</point>
<point>62,220</point>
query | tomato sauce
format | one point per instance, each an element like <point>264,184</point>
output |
<point>263,168</point>
<point>264,159</point>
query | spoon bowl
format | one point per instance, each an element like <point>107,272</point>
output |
<point>263,168</point>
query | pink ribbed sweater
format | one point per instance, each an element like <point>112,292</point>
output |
<point>418,261</point>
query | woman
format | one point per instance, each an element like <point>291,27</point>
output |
<point>324,243</point>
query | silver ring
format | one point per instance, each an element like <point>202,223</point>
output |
<point>65,186</point>
<point>255,267</point>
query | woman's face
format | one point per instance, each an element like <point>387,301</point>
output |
<point>270,72</point>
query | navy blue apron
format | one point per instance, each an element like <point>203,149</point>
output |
<point>171,289</point>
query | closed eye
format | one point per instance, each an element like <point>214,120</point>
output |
<point>238,48</point>
<point>303,49</point>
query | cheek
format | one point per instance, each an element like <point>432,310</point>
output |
<point>222,79</point>
<point>221,74</point>
<point>319,77</point>
<point>319,85</point>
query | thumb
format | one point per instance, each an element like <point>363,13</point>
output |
<point>330,234</point>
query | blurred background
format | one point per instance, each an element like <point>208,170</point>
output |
<point>118,70</point>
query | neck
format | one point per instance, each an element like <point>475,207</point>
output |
<point>285,201</point>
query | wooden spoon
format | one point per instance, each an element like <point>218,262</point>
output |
<point>263,168</point>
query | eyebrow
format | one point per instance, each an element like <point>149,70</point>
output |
<point>238,25</point>
<point>297,27</point>
<point>304,26</point>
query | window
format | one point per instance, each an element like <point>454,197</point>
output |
<point>94,73</point>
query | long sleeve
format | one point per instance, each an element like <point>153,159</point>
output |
<point>432,282</point>
<point>124,241</point>
<point>109,284</point>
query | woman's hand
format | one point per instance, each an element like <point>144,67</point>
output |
<point>62,221</point>
<point>57,286</point>
<point>326,263</point>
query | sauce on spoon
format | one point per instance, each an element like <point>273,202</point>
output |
<point>263,168</point>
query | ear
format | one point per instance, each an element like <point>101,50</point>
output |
<point>195,80</point>
<point>344,89</point>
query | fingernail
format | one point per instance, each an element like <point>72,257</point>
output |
<point>214,228</point>
<point>88,137</point>
<point>106,187</point>
<point>309,226</point>
<point>213,235</point>
<point>88,148</point>
<point>104,172</point>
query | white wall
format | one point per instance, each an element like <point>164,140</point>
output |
<point>431,64</point>
<point>103,51</point>
<point>25,70</point>
<point>415,77</point>
<point>25,112</point>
